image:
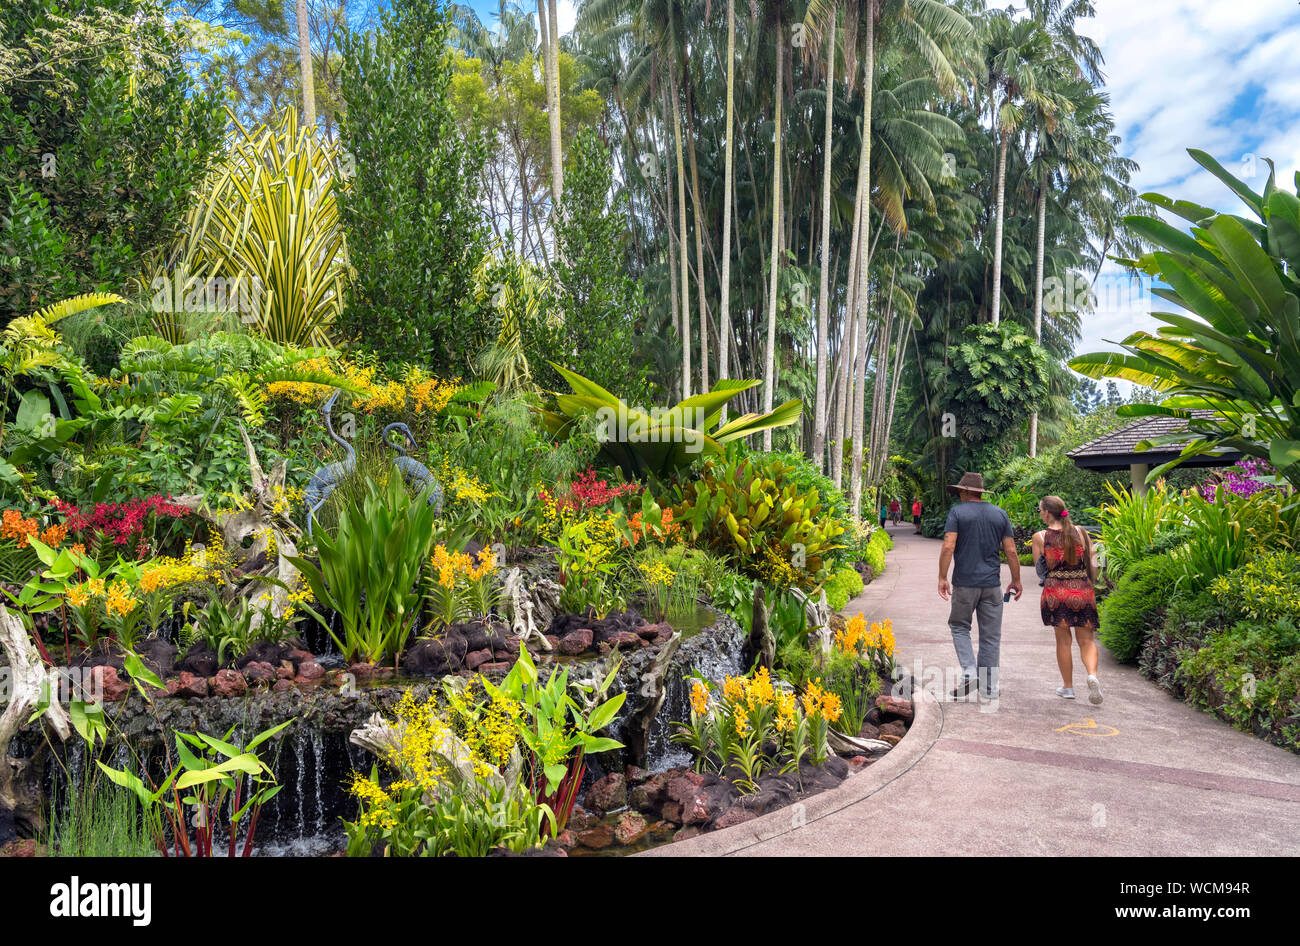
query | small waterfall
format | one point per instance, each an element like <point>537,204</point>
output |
<point>713,664</point>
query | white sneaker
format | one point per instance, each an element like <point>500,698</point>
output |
<point>1065,693</point>
<point>1094,690</point>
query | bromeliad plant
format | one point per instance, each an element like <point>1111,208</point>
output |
<point>370,569</point>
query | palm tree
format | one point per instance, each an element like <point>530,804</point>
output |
<point>724,311</point>
<point>818,449</point>
<point>1016,53</point>
<point>304,58</point>
<point>774,274</point>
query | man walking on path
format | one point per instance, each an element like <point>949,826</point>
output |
<point>973,534</point>
<point>916,515</point>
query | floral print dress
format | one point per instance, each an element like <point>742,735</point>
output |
<point>1067,596</point>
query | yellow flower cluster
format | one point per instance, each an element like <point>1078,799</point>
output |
<point>819,702</point>
<point>423,731</point>
<point>167,572</point>
<point>786,716</point>
<point>117,597</point>
<point>415,390</point>
<point>657,573</point>
<point>776,569</point>
<point>699,697</point>
<point>462,486</point>
<point>856,638</point>
<point>749,693</point>
<point>452,566</point>
<point>489,728</point>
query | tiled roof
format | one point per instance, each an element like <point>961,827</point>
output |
<point>1122,444</point>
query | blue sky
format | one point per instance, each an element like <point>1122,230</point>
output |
<point>1219,75</point>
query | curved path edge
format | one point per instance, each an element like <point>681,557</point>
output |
<point>924,732</point>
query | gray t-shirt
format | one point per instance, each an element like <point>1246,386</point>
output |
<point>980,528</point>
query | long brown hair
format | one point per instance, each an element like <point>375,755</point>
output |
<point>1054,506</point>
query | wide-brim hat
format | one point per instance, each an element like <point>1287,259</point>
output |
<point>969,483</point>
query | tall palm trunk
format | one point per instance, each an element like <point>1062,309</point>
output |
<point>699,242</point>
<point>868,84</point>
<point>848,339</point>
<point>304,57</point>
<point>997,227</point>
<point>1038,300</point>
<point>550,36</point>
<point>724,313</point>
<point>823,285</point>
<point>685,326</point>
<point>769,361</point>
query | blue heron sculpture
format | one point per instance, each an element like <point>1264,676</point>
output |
<point>413,471</point>
<point>326,479</point>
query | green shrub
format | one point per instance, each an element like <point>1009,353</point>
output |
<point>1249,675</point>
<point>1228,531</point>
<point>874,555</point>
<point>1264,589</point>
<point>844,585</point>
<point>1188,621</point>
<point>1130,612</point>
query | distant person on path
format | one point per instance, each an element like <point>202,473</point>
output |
<point>974,533</point>
<point>1068,600</point>
<point>916,515</point>
<point>884,512</point>
<point>895,511</point>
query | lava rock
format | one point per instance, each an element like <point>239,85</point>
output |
<point>476,658</point>
<point>896,728</point>
<point>190,687</point>
<point>228,683</point>
<point>685,834</point>
<point>259,671</point>
<point>651,632</point>
<point>894,707</point>
<point>601,836</point>
<point>104,681</point>
<point>630,828</point>
<point>499,666</point>
<point>200,660</point>
<point>576,642</point>
<point>868,731</point>
<point>608,793</point>
<point>625,639</point>
<point>890,738</point>
<point>436,657</point>
<point>650,795</point>
<point>733,816</point>
<point>310,670</point>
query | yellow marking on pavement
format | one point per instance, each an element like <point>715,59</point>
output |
<point>1088,727</point>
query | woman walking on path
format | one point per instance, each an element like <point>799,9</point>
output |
<point>1068,600</point>
<point>895,511</point>
<point>884,513</point>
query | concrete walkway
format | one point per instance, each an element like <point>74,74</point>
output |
<point>1142,774</point>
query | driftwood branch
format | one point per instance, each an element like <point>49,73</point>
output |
<point>29,680</point>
